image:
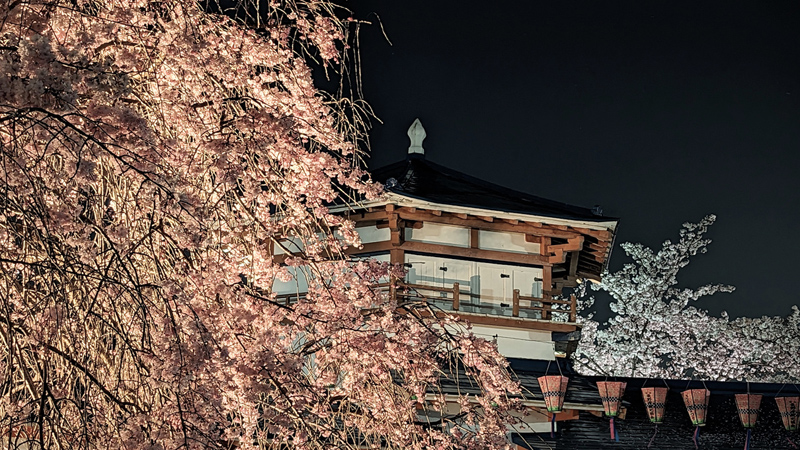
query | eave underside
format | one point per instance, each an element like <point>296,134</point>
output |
<point>570,252</point>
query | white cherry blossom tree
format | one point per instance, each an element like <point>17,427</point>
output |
<point>656,331</point>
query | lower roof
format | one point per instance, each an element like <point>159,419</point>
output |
<point>592,431</point>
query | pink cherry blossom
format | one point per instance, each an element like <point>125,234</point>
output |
<point>154,156</point>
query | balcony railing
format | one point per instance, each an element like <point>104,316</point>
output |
<point>453,298</point>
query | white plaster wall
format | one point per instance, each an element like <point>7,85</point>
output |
<point>373,234</point>
<point>507,242</point>
<point>293,244</point>
<point>518,343</point>
<point>434,233</point>
<point>297,285</point>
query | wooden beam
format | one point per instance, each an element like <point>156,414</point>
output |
<point>372,247</point>
<point>449,219</point>
<point>492,255</point>
<point>558,256</point>
<point>533,239</point>
<point>486,218</point>
<point>573,245</point>
<point>441,249</point>
<point>573,263</point>
<point>598,247</point>
<point>514,322</point>
<point>365,217</point>
<point>599,234</point>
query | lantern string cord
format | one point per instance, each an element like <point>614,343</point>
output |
<point>696,437</point>
<point>653,438</point>
<point>559,368</point>
<point>790,441</point>
<point>553,426</point>
<point>747,440</point>
<point>546,371</point>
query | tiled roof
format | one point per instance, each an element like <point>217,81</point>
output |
<point>419,178</point>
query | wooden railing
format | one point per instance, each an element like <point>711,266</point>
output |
<point>457,299</point>
<point>546,307</point>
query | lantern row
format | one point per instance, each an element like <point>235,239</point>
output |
<point>554,389</point>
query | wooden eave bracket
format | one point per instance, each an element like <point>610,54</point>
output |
<point>558,253</point>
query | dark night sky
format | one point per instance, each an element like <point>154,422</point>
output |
<point>660,111</point>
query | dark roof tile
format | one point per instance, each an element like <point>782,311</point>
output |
<point>419,178</point>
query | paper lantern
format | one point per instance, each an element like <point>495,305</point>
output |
<point>611,396</point>
<point>748,405</point>
<point>554,389</point>
<point>654,400</point>
<point>788,407</point>
<point>696,401</point>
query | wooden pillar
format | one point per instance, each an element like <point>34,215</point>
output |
<point>473,238</point>
<point>515,306</point>
<point>396,257</point>
<point>547,281</point>
<point>573,309</point>
<point>544,246</point>
<point>456,296</point>
<point>547,291</point>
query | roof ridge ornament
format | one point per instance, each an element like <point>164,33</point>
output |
<point>416,133</point>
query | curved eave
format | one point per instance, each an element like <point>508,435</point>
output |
<point>608,224</point>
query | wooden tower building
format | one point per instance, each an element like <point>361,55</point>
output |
<point>496,257</point>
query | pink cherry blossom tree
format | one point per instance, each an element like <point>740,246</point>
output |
<point>154,155</point>
<point>657,332</point>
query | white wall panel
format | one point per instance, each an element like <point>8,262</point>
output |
<point>434,233</point>
<point>517,343</point>
<point>507,242</point>
<point>373,234</point>
<point>298,283</point>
